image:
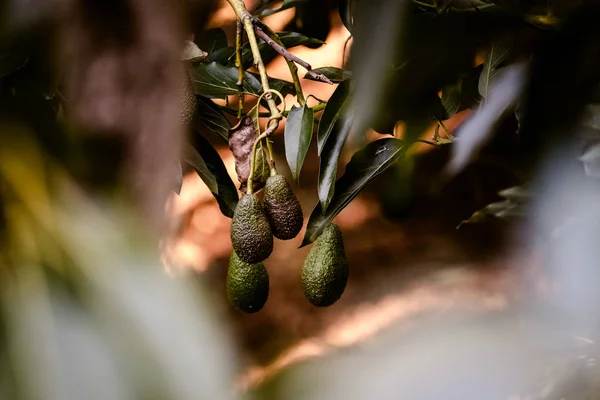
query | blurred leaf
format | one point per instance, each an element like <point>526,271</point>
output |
<point>336,106</point>
<point>591,116</point>
<point>208,164</point>
<point>335,75</point>
<point>178,178</point>
<point>193,53</point>
<point>11,62</point>
<point>286,4</point>
<point>365,165</point>
<point>297,135</point>
<point>289,40</point>
<point>345,10</point>
<point>330,157</point>
<point>211,117</point>
<point>463,94</point>
<point>498,56</point>
<point>502,98</point>
<point>216,80</point>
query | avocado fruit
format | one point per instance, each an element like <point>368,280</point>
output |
<point>325,270</point>
<point>282,208</point>
<point>251,234</point>
<point>247,285</point>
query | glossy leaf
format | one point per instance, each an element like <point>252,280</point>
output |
<point>336,106</point>
<point>365,165</point>
<point>211,117</point>
<point>297,135</point>
<point>208,164</point>
<point>345,10</point>
<point>218,81</point>
<point>286,5</point>
<point>289,40</point>
<point>498,56</point>
<point>335,75</point>
<point>329,159</point>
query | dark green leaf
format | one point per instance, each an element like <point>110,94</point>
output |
<point>298,134</point>
<point>211,117</point>
<point>498,56</point>
<point>212,40</point>
<point>216,80</point>
<point>462,94</point>
<point>289,40</point>
<point>208,164</point>
<point>286,4</point>
<point>335,75</point>
<point>345,10</point>
<point>222,55</point>
<point>329,159</point>
<point>283,87</point>
<point>365,165</point>
<point>11,62</point>
<point>336,106</point>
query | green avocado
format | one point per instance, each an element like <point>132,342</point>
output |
<point>247,285</point>
<point>282,208</point>
<point>325,271</point>
<point>251,234</point>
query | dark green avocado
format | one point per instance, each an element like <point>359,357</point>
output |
<point>282,208</point>
<point>247,285</point>
<point>251,234</point>
<point>325,271</point>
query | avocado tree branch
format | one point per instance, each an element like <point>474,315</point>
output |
<point>272,39</point>
<point>246,19</point>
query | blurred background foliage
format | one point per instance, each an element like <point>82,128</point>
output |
<point>496,106</point>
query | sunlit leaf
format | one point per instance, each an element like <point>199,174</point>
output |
<point>498,56</point>
<point>205,160</point>
<point>298,134</point>
<point>335,75</point>
<point>211,117</point>
<point>365,165</point>
<point>336,106</point>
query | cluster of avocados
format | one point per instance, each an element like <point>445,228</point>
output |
<point>325,271</point>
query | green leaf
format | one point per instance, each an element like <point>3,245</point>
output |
<point>289,40</point>
<point>208,164</point>
<point>297,135</point>
<point>365,165</point>
<point>11,62</point>
<point>286,4</point>
<point>214,42</point>
<point>335,75</point>
<point>216,80</point>
<point>329,160</point>
<point>463,94</point>
<point>211,117</point>
<point>345,10</point>
<point>498,56</point>
<point>335,107</point>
